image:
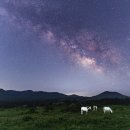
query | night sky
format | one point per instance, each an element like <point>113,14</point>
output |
<point>69,46</point>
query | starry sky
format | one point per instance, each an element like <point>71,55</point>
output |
<point>69,46</point>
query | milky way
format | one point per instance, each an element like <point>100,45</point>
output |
<point>93,35</point>
<point>86,47</point>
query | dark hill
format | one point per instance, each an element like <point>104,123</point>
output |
<point>109,95</point>
<point>29,95</point>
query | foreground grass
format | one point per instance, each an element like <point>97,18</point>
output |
<point>27,119</point>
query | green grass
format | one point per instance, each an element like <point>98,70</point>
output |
<point>39,119</point>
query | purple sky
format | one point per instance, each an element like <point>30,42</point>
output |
<point>68,46</point>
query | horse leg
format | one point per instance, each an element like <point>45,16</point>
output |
<point>86,112</point>
<point>81,112</point>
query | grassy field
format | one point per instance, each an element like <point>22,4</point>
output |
<point>59,119</point>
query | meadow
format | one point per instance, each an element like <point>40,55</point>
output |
<point>62,118</point>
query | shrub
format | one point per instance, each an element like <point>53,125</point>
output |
<point>32,110</point>
<point>27,118</point>
<point>71,108</point>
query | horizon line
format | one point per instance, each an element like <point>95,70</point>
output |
<point>67,94</point>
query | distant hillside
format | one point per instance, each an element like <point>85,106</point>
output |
<point>29,95</point>
<point>11,95</point>
<point>109,95</point>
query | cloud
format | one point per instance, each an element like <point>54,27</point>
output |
<point>3,12</point>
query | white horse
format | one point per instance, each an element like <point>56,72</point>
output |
<point>85,109</point>
<point>107,109</point>
<point>94,108</point>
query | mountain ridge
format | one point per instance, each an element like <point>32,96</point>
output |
<point>110,95</point>
<point>7,95</point>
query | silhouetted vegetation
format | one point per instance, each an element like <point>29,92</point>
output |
<point>50,104</point>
